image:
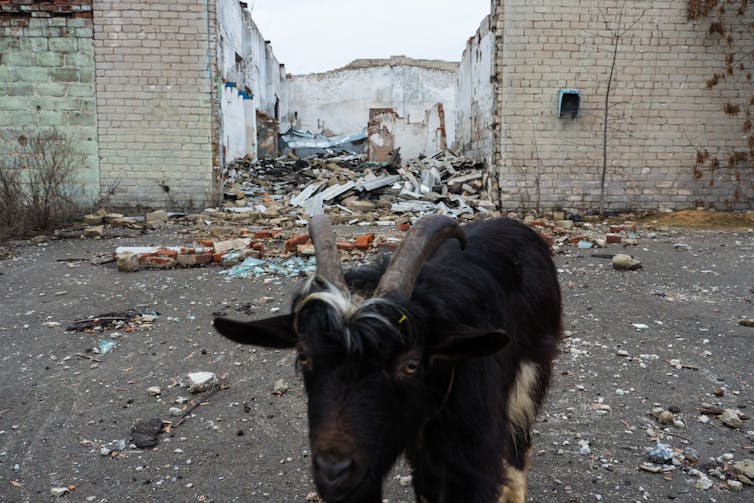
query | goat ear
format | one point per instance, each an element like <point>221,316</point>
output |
<point>459,341</point>
<point>276,332</point>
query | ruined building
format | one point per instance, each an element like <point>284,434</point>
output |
<point>532,94</point>
<point>160,95</point>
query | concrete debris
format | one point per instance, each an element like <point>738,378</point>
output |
<point>730,417</point>
<point>199,382</point>
<point>59,491</point>
<point>450,184</point>
<point>623,262</point>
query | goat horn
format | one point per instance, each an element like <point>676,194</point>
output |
<point>326,252</point>
<point>418,245</point>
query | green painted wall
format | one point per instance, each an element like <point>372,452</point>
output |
<point>47,80</point>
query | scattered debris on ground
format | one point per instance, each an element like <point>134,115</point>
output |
<point>127,321</point>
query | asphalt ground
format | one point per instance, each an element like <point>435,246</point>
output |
<point>61,404</point>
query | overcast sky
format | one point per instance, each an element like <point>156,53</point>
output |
<point>320,35</point>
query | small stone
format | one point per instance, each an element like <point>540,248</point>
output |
<point>175,411</point>
<point>704,419</point>
<point>746,323</point>
<point>666,417</point>
<point>51,324</point>
<point>201,381</point>
<point>660,454</point>
<point>623,262</point>
<point>94,231</point>
<point>621,352</point>
<point>703,483</point>
<point>145,432</point>
<point>730,418</point>
<point>691,455</point>
<point>745,467</point>
<point>154,391</point>
<point>281,387</point>
<point>59,491</point>
<point>735,485</point>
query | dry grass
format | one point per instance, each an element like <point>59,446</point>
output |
<point>700,219</point>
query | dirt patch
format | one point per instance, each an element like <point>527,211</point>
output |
<point>699,219</point>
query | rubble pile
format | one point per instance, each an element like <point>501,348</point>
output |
<point>253,253</point>
<point>348,185</point>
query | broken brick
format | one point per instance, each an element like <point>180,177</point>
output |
<point>204,258</point>
<point>265,234</point>
<point>259,248</point>
<point>166,252</point>
<point>345,246</point>
<point>185,260</point>
<point>157,262</point>
<point>206,243</point>
<point>616,228</point>
<point>292,243</point>
<point>390,245</point>
<point>363,241</point>
<point>613,238</point>
<point>403,227</point>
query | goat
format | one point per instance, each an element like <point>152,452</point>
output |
<point>443,354</point>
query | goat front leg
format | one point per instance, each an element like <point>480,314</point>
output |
<point>515,482</point>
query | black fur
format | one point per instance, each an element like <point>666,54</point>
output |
<point>428,376</point>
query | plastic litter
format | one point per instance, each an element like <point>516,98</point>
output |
<point>106,345</point>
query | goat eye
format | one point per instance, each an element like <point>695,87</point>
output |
<point>411,367</point>
<point>304,362</point>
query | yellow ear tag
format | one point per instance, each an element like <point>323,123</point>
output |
<point>403,318</point>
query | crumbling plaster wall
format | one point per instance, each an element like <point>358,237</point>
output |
<point>387,130</point>
<point>47,80</point>
<point>339,100</point>
<point>660,108</point>
<point>252,80</point>
<point>474,96</point>
<point>155,101</point>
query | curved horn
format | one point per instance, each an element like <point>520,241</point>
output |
<point>326,252</point>
<point>418,245</point>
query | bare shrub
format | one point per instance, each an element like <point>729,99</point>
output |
<point>13,212</point>
<point>36,179</point>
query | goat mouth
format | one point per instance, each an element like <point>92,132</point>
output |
<point>355,491</point>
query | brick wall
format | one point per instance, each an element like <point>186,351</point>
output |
<point>156,101</point>
<point>47,78</point>
<point>661,111</point>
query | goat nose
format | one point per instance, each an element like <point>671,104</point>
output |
<point>333,469</point>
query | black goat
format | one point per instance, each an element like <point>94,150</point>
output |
<point>443,354</point>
